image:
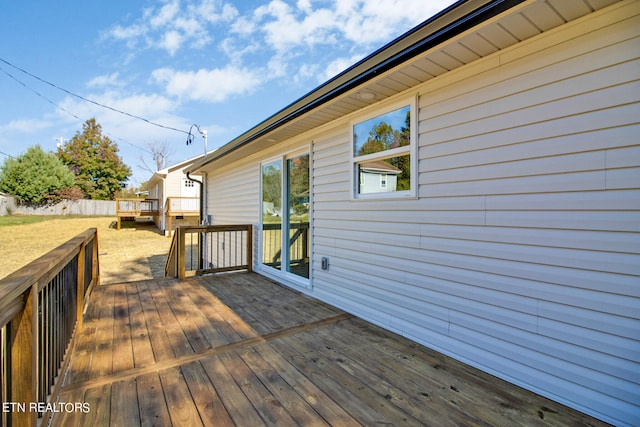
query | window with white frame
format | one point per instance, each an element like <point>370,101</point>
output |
<point>383,152</point>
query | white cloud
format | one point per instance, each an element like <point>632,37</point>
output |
<point>375,21</point>
<point>112,79</point>
<point>305,72</point>
<point>25,126</point>
<point>128,132</point>
<point>293,31</point>
<point>337,66</point>
<point>285,27</point>
<point>210,12</point>
<point>278,34</point>
<point>207,85</point>
<point>119,32</point>
<point>361,22</point>
<point>171,41</point>
<point>173,26</point>
<point>144,105</point>
<point>152,107</point>
<point>164,16</point>
<point>244,25</point>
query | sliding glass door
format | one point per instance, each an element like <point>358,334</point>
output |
<point>285,215</point>
<point>297,218</point>
<point>272,214</point>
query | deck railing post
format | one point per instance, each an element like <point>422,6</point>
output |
<point>182,270</point>
<point>80,285</point>
<point>95,269</point>
<point>250,248</point>
<point>169,214</point>
<point>23,360</point>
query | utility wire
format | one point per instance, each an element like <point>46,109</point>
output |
<point>65,110</point>
<point>90,101</point>
<point>37,93</point>
<point>8,155</point>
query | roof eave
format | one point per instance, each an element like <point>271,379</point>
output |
<point>446,24</point>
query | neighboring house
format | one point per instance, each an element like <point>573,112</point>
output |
<point>515,246</point>
<point>178,196</point>
<point>378,177</point>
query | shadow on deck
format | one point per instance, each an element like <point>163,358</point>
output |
<point>238,349</point>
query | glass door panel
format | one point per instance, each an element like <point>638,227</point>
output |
<point>272,214</point>
<point>297,216</point>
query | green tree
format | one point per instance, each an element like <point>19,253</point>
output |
<point>380,138</point>
<point>94,160</point>
<point>401,139</point>
<point>271,184</point>
<point>384,137</point>
<point>36,177</point>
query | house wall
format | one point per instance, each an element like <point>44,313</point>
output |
<point>174,187</point>
<point>173,183</point>
<point>520,254</point>
<point>234,193</point>
<point>155,192</point>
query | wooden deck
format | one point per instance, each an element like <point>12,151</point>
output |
<point>237,349</point>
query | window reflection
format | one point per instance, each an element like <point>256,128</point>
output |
<point>381,150</point>
<point>298,248</point>
<point>272,214</point>
<point>388,175</point>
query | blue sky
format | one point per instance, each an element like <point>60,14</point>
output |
<point>224,66</point>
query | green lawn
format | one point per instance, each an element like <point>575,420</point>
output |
<point>8,220</point>
<point>23,219</point>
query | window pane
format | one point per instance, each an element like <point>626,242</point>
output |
<point>381,176</point>
<point>272,214</point>
<point>381,133</point>
<point>298,215</point>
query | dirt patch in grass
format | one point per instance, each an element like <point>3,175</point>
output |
<point>135,252</point>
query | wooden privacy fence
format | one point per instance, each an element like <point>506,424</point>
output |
<point>210,249</point>
<point>70,207</point>
<point>41,307</point>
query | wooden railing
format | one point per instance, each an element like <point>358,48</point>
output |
<point>272,243</point>
<point>134,208</point>
<point>41,307</point>
<point>210,249</point>
<point>181,206</point>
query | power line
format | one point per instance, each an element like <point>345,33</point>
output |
<point>89,100</point>
<point>37,93</point>
<point>65,110</point>
<point>8,155</point>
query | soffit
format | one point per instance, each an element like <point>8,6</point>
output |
<point>517,24</point>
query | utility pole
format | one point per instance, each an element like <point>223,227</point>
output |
<point>203,183</point>
<point>60,140</point>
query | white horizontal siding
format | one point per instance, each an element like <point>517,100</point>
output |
<point>233,196</point>
<point>521,254</point>
<point>173,183</point>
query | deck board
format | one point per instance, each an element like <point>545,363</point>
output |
<point>182,408</point>
<point>141,347</point>
<point>206,398</point>
<point>101,354</point>
<point>238,349</point>
<point>124,404</point>
<point>158,337</point>
<point>153,407</point>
